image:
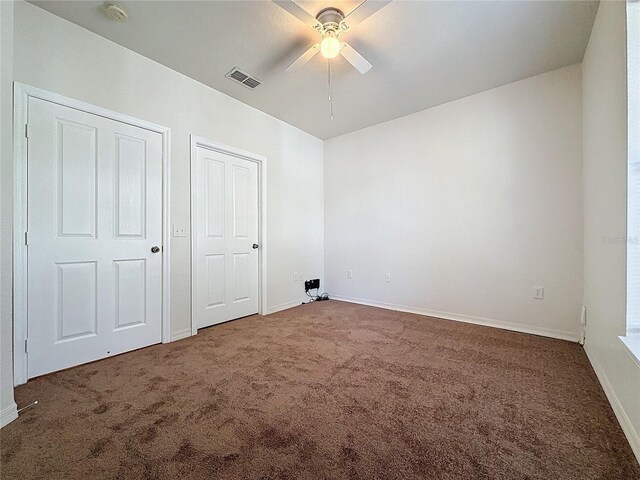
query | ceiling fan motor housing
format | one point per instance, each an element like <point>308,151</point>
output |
<point>330,18</point>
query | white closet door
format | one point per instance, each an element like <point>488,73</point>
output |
<point>226,230</point>
<point>94,214</point>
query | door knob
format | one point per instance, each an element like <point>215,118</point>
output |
<point>255,245</point>
<point>155,249</point>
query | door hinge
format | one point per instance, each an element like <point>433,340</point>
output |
<point>26,345</point>
<point>26,130</point>
<point>26,238</point>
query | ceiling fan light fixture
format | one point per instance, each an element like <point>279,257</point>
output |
<point>330,46</point>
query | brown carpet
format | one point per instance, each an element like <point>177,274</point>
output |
<point>326,390</point>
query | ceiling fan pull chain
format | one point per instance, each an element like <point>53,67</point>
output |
<point>330,99</point>
<point>329,80</point>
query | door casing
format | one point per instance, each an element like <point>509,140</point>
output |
<point>21,95</point>
<point>261,161</point>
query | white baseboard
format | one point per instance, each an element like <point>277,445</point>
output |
<point>8,414</point>
<point>458,317</point>
<point>284,306</point>
<point>627,427</point>
<point>180,334</point>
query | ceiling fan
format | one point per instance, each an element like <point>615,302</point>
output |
<point>331,23</point>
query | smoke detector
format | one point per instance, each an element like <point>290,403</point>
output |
<point>115,11</point>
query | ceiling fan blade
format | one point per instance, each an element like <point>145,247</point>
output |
<point>363,11</point>
<point>297,11</point>
<point>355,59</point>
<point>304,58</point>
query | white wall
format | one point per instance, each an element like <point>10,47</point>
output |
<point>605,182</point>
<point>7,405</point>
<point>467,205</point>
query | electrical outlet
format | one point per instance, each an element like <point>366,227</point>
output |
<point>349,274</point>
<point>387,277</point>
<point>297,277</point>
<point>538,293</point>
<point>179,230</point>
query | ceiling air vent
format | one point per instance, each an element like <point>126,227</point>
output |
<point>243,78</point>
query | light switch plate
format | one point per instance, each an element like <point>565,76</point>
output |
<point>179,230</point>
<point>538,293</point>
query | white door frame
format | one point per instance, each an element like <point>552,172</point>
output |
<point>21,95</point>
<point>261,162</point>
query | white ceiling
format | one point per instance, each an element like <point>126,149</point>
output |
<point>423,53</point>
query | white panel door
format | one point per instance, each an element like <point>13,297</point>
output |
<point>226,231</point>
<point>94,214</point>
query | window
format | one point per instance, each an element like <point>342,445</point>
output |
<point>632,338</point>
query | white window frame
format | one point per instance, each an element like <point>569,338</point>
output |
<point>632,338</point>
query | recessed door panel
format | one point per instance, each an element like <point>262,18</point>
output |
<point>215,280</point>
<point>77,158</point>
<point>130,292</point>
<point>215,205</point>
<point>241,277</point>
<point>241,197</point>
<point>130,186</point>
<point>94,214</point>
<point>77,296</point>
